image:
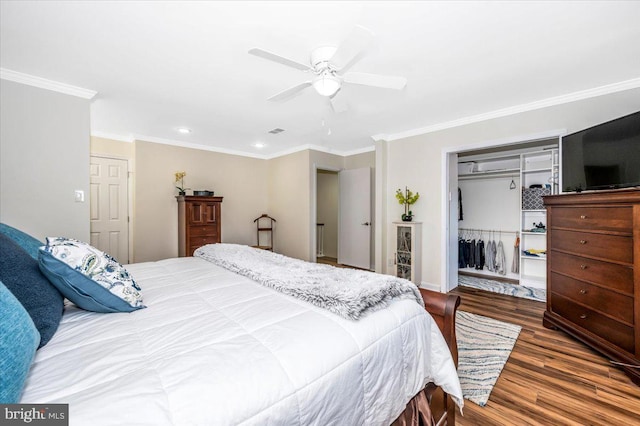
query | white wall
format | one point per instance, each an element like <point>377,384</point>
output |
<point>417,162</point>
<point>490,204</point>
<point>44,158</point>
<point>242,181</point>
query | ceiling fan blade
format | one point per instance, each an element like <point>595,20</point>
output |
<point>290,92</point>
<point>384,81</point>
<point>352,49</point>
<point>338,103</point>
<point>279,59</point>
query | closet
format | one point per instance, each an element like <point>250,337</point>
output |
<point>502,222</point>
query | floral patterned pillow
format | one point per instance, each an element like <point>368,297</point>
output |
<point>88,277</point>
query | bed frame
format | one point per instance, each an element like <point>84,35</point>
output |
<point>442,308</point>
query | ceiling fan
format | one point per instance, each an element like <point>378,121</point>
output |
<point>329,65</point>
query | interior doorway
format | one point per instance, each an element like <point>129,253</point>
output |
<point>341,217</point>
<point>327,209</point>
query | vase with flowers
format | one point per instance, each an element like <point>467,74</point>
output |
<point>407,198</point>
<point>180,178</point>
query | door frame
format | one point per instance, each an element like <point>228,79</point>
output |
<point>449,154</point>
<point>314,209</point>
<point>129,199</point>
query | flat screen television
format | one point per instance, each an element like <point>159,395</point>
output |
<point>606,156</point>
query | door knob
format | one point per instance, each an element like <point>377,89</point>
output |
<point>366,224</point>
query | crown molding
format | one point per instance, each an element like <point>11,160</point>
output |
<point>358,151</point>
<point>202,147</point>
<point>145,138</point>
<point>43,83</point>
<point>633,83</point>
<point>320,149</point>
<point>113,136</point>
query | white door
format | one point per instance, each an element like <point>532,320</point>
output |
<point>354,232</point>
<point>109,207</point>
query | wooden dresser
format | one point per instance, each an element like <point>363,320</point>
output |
<point>593,272</point>
<point>198,222</point>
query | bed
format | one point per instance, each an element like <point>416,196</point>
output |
<point>213,346</point>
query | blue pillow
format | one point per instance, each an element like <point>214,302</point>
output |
<point>18,342</point>
<point>20,273</point>
<point>26,241</point>
<point>88,277</point>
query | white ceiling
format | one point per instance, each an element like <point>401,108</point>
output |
<point>160,65</point>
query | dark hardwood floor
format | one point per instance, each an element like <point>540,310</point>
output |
<point>550,378</point>
<point>329,261</point>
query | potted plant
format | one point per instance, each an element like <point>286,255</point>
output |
<point>180,178</point>
<point>407,198</point>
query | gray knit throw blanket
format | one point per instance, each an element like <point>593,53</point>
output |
<point>349,293</point>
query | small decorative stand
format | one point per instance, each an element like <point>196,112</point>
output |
<point>264,225</point>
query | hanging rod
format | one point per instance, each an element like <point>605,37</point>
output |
<point>488,230</point>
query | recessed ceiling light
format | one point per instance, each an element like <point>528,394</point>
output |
<point>183,130</point>
<point>259,145</point>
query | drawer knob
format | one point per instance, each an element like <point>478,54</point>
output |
<point>583,291</point>
<point>583,266</point>
<point>583,241</point>
<point>583,316</point>
<point>583,216</point>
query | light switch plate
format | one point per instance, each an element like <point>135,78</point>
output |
<point>79,196</point>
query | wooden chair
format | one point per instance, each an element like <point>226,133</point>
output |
<point>265,231</point>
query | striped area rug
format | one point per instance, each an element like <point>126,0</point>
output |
<point>484,345</point>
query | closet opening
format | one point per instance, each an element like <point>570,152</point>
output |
<point>496,223</point>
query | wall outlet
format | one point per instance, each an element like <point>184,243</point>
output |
<point>79,196</point>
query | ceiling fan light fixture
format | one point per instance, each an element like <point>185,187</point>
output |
<point>326,84</point>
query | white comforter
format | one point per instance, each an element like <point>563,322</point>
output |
<point>215,348</point>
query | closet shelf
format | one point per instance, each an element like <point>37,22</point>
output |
<point>489,173</point>
<point>524,256</point>
<point>538,170</point>
<point>533,233</point>
<point>532,279</point>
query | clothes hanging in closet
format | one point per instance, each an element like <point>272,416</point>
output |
<point>472,253</point>
<point>515,265</point>
<point>490,255</point>
<point>479,256</point>
<point>500,259</point>
<point>462,256</point>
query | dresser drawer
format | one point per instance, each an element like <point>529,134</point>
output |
<point>203,230</point>
<point>197,242</point>
<point>613,331</point>
<point>610,275</point>
<point>609,247</point>
<point>599,299</point>
<point>201,241</point>
<point>593,218</point>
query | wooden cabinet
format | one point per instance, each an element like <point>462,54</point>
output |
<point>593,276</point>
<point>198,222</point>
<point>408,262</point>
